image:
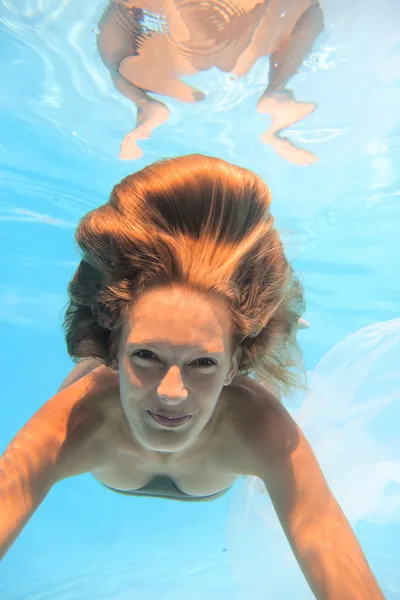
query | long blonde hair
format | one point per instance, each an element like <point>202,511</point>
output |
<point>203,223</point>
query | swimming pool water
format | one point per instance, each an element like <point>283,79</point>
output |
<point>61,122</point>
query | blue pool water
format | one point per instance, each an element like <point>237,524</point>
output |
<point>61,122</point>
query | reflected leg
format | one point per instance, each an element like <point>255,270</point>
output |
<point>120,36</point>
<point>279,102</point>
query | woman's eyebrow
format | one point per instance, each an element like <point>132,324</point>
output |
<point>133,344</point>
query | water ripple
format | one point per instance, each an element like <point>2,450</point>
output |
<point>316,136</point>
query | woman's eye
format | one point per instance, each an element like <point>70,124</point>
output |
<point>149,356</point>
<point>145,354</point>
<point>204,362</point>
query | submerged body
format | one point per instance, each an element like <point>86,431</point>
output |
<point>148,45</point>
<point>183,291</point>
<point>202,473</point>
<point>84,428</point>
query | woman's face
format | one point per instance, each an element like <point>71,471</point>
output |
<point>174,358</point>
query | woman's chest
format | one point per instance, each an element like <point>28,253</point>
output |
<point>203,468</point>
<point>201,475</point>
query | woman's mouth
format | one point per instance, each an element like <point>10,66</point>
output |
<point>169,421</point>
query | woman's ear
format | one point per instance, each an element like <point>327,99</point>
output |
<point>234,366</point>
<point>114,366</point>
<point>113,350</point>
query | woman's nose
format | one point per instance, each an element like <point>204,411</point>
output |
<point>171,388</point>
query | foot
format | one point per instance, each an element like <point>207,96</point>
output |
<point>284,109</point>
<point>288,150</point>
<point>149,116</point>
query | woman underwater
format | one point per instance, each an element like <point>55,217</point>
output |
<point>182,292</point>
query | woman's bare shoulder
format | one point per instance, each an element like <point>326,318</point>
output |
<point>249,396</point>
<point>260,424</point>
<point>79,413</point>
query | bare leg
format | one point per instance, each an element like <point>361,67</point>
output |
<point>119,36</point>
<point>280,102</point>
<point>152,70</point>
<point>150,114</point>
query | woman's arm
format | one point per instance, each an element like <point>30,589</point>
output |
<point>57,442</point>
<point>321,538</point>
